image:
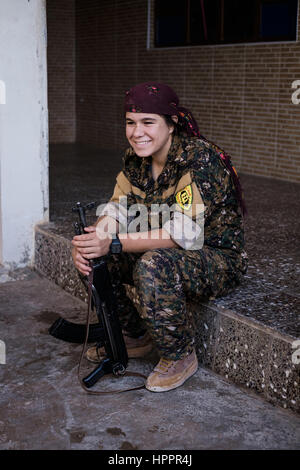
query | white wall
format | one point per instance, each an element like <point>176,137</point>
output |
<point>23,128</point>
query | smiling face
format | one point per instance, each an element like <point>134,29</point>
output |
<point>148,134</point>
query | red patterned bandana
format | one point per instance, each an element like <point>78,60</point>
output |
<point>158,98</point>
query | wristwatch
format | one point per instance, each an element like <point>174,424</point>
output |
<point>115,246</point>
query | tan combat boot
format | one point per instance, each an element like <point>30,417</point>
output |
<point>136,347</point>
<point>169,374</point>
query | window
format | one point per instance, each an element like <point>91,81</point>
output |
<point>193,22</point>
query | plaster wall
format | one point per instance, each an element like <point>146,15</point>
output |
<point>23,128</point>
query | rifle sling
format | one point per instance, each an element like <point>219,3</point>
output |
<point>128,373</point>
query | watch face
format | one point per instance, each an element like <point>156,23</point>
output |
<point>115,250</point>
<point>115,247</point>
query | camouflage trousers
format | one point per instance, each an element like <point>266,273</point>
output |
<point>165,279</point>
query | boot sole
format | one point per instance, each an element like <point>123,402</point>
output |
<point>132,354</point>
<point>191,371</point>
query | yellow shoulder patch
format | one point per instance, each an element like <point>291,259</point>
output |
<point>123,183</point>
<point>184,198</point>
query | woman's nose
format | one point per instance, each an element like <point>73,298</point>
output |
<point>138,131</point>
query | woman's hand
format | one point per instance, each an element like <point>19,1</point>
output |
<point>88,246</point>
<point>80,262</point>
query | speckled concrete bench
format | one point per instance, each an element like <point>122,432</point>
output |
<point>248,337</point>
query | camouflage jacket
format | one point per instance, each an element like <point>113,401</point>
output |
<point>198,186</point>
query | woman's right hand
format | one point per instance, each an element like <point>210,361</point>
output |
<point>81,263</point>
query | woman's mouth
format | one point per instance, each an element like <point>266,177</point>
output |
<point>142,142</point>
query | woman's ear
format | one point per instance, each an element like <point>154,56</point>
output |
<point>175,120</point>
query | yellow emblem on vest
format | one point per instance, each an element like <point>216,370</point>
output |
<point>184,198</point>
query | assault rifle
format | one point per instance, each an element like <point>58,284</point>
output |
<point>108,332</point>
<point>102,298</point>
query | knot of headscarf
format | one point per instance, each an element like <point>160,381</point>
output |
<point>158,98</point>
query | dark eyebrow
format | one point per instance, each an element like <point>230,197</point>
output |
<point>144,119</point>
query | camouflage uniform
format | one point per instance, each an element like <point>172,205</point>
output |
<point>166,278</point>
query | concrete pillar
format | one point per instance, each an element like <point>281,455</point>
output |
<point>24,199</point>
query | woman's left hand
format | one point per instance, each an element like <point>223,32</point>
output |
<point>90,245</point>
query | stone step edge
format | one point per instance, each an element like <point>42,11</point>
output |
<point>221,310</point>
<point>250,354</point>
<point>217,350</point>
<point>253,323</point>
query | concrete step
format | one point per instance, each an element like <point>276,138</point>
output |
<point>248,337</point>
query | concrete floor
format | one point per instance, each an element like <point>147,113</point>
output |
<point>44,407</point>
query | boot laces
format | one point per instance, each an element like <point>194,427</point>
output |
<point>164,365</point>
